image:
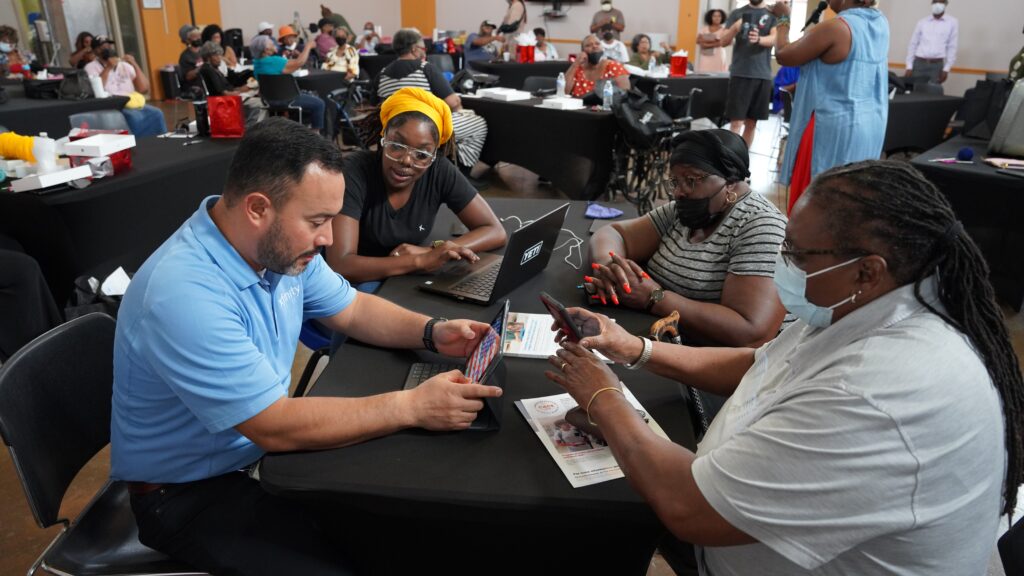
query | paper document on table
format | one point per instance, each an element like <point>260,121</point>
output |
<point>530,336</point>
<point>583,459</point>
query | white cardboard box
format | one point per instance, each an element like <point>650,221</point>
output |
<point>562,103</point>
<point>99,145</point>
<point>39,181</point>
<point>504,94</point>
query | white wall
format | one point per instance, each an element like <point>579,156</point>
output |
<point>246,14</point>
<point>641,16</point>
<point>990,34</point>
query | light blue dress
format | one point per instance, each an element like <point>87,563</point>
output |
<point>849,99</point>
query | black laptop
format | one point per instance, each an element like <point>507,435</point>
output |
<point>482,282</point>
<point>485,365</point>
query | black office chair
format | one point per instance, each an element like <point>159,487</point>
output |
<point>535,83</point>
<point>314,368</point>
<point>99,120</point>
<point>54,417</point>
<point>443,62</point>
<point>923,86</point>
<point>1011,549</point>
<point>278,92</point>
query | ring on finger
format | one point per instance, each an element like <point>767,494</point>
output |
<point>562,367</point>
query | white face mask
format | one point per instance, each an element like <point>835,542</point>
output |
<point>606,7</point>
<point>5,47</point>
<point>791,283</point>
<point>938,9</point>
<point>292,45</point>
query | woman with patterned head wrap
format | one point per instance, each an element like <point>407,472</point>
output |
<point>709,254</point>
<point>392,197</point>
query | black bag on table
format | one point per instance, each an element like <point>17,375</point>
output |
<point>75,86</point>
<point>48,89</point>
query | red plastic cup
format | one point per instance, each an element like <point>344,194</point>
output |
<point>525,54</point>
<point>678,66</point>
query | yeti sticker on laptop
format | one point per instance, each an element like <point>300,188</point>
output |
<point>531,253</point>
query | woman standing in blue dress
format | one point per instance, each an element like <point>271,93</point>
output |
<point>841,106</point>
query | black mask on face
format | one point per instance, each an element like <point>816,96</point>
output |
<point>695,213</point>
<point>106,53</point>
<point>608,36</point>
<point>195,43</point>
<point>342,40</point>
<point>594,57</point>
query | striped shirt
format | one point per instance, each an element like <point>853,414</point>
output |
<point>411,74</point>
<point>746,243</point>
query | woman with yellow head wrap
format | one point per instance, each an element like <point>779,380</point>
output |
<point>392,197</point>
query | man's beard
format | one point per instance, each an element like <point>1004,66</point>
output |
<point>272,251</point>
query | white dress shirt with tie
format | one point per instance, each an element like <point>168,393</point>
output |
<point>934,38</point>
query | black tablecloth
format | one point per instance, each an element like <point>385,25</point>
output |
<point>514,74</point>
<point>710,103</point>
<point>571,148</point>
<point>374,64</point>
<point>918,121</point>
<point>504,483</point>
<point>30,117</point>
<point>322,81</point>
<point>121,221</point>
<point>989,204</point>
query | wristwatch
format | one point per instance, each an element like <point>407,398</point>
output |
<point>428,333</point>
<point>657,295</point>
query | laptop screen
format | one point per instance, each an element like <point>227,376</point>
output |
<point>488,351</point>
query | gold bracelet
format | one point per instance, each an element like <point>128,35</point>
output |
<point>594,397</point>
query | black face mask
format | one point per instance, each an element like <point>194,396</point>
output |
<point>594,57</point>
<point>695,213</point>
<point>608,36</point>
<point>195,43</point>
<point>106,53</point>
<point>342,41</point>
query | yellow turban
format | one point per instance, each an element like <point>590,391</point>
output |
<point>136,101</point>
<point>418,100</point>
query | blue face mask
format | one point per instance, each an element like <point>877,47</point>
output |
<point>5,47</point>
<point>791,283</point>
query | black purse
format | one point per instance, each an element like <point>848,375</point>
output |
<point>75,86</point>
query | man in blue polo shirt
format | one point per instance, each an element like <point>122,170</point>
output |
<point>205,341</point>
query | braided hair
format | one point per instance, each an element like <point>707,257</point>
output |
<point>912,225</point>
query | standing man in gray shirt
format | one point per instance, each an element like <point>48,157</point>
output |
<point>750,82</point>
<point>608,19</point>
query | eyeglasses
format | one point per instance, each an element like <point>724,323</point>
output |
<point>398,152</point>
<point>788,253</point>
<point>691,183</point>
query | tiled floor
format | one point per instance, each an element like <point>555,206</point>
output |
<point>21,540</point>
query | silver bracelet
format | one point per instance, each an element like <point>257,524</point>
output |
<point>644,356</point>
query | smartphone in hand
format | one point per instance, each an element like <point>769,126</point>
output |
<point>561,315</point>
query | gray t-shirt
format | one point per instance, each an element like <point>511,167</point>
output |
<point>873,446</point>
<point>751,60</point>
<point>745,243</point>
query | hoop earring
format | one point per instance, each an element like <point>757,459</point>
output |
<point>853,299</point>
<point>731,197</point>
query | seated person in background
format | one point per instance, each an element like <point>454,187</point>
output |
<point>83,53</point>
<point>411,69</point>
<point>12,60</point>
<point>642,53</point>
<point>290,45</point>
<point>266,61</point>
<point>122,77</point>
<point>368,39</point>
<point>545,50</point>
<point>483,46</point>
<point>343,57</point>
<point>614,48</point>
<point>266,29</point>
<point>189,61</point>
<point>393,195</point>
<point>213,33</point>
<point>202,365</point>
<point>218,85</point>
<point>591,66</point>
<point>325,39</point>
<point>879,434</point>
<point>709,254</point>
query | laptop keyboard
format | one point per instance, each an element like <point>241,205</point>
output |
<point>481,284</point>
<point>423,371</point>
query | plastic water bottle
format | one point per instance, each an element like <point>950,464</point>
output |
<point>607,95</point>
<point>651,64</point>
<point>560,84</point>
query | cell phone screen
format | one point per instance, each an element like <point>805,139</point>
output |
<point>559,313</point>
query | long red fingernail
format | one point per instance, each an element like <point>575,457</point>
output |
<point>595,297</point>
<point>646,276</point>
<point>615,299</point>
<point>627,288</point>
<point>595,265</point>
<point>588,278</point>
<point>603,301</point>
<point>612,254</point>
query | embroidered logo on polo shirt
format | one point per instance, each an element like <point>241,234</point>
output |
<point>288,295</point>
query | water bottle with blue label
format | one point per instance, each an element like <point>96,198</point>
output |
<point>560,84</point>
<point>607,95</point>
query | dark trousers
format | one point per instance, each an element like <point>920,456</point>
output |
<point>229,525</point>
